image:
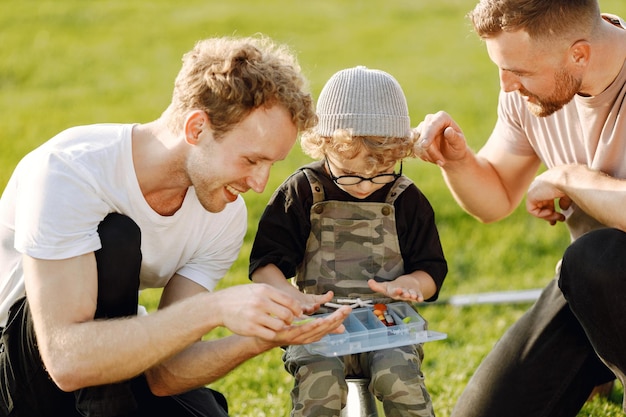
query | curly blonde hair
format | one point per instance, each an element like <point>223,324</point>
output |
<point>230,77</point>
<point>379,150</point>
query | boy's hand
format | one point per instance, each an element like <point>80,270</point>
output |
<point>313,302</point>
<point>397,292</point>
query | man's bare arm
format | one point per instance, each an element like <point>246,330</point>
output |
<point>79,351</point>
<point>489,185</point>
<point>599,195</point>
<point>207,361</point>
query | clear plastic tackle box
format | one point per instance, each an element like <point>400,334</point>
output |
<point>366,332</point>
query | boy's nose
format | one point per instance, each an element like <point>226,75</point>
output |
<point>366,185</point>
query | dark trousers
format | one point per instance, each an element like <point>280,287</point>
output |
<point>548,362</point>
<point>26,389</point>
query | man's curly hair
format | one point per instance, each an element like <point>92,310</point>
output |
<point>230,77</point>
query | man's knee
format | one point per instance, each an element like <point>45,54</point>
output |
<point>120,233</point>
<point>597,254</point>
<point>118,263</point>
<point>593,267</point>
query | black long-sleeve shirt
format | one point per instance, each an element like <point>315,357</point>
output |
<point>285,225</point>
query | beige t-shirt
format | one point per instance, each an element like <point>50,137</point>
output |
<point>588,130</point>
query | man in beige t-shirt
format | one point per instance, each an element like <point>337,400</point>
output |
<point>563,82</point>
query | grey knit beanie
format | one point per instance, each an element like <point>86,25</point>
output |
<point>368,101</point>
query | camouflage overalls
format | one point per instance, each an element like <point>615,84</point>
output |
<point>348,244</point>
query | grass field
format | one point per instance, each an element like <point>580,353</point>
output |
<point>71,62</point>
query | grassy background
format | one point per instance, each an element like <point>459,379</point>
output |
<point>71,62</point>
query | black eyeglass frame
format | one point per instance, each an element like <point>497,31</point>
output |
<point>357,179</point>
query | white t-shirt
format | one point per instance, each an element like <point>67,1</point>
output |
<point>61,191</point>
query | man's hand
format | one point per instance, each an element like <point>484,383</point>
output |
<point>271,275</point>
<point>257,310</point>
<point>313,330</point>
<point>440,139</point>
<point>542,196</point>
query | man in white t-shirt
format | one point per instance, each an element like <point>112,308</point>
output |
<point>563,82</point>
<point>99,212</point>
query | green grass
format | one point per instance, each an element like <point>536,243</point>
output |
<point>70,62</point>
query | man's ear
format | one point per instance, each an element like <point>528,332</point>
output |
<point>580,52</point>
<point>196,122</point>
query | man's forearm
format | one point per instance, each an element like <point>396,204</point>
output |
<point>477,188</point>
<point>599,195</point>
<point>203,363</point>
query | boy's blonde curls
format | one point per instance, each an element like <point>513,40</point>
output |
<point>380,151</point>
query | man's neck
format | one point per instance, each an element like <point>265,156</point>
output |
<point>158,159</point>
<point>607,58</point>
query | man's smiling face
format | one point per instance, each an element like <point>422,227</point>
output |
<point>543,78</point>
<point>240,160</point>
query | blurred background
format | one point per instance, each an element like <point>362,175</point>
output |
<point>73,62</point>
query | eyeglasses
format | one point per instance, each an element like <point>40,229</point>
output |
<point>356,179</point>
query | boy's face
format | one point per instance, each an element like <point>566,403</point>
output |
<point>369,181</point>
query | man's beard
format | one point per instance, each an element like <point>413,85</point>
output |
<point>565,88</point>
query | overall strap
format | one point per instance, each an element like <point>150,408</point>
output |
<point>316,185</point>
<point>399,186</point>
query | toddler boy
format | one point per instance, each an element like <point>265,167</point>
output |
<point>351,223</point>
